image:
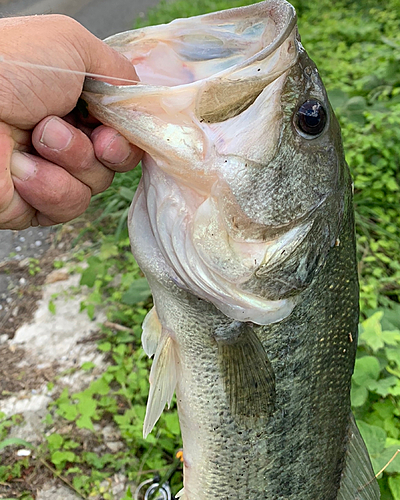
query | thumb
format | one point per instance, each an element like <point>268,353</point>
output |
<point>101,59</point>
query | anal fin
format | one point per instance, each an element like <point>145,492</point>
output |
<point>181,494</point>
<point>247,374</point>
<point>358,479</point>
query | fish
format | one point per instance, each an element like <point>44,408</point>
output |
<point>243,224</point>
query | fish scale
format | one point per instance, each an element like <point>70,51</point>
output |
<point>313,371</point>
<point>243,225</point>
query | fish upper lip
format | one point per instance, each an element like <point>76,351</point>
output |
<point>97,86</point>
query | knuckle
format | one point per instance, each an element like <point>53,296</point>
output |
<point>103,183</point>
<point>56,197</point>
<point>72,204</point>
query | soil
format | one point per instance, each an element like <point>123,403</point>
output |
<point>22,282</point>
<point>15,378</point>
<point>38,347</point>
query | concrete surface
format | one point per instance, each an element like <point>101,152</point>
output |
<point>55,336</point>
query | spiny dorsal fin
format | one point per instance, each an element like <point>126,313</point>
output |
<point>163,378</point>
<point>248,376</point>
<point>151,332</point>
<point>358,479</point>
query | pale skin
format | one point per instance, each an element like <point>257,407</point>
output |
<point>50,163</point>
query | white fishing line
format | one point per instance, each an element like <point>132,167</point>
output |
<point>63,70</point>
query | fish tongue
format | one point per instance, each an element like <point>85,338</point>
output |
<point>203,69</point>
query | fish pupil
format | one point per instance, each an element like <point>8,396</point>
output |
<point>311,117</point>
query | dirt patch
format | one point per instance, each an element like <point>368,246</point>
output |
<point>32,477</point>
<point>22,296</point>
<point>16,376</point>
<point>26,277</point>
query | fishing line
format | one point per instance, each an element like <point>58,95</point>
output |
<point>64,70</point>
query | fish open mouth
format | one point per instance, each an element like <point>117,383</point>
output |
<point>207,109</point>
<point>215,65</point>
<point>184,52</point>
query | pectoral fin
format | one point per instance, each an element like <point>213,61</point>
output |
<point>151,332</point>
<point>358,479</point>
<point>248,376</point>
<point>163,378</point>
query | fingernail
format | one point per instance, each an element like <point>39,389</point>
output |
<point>56,135</point>
<point>22,166</point>
<point>116,151</point>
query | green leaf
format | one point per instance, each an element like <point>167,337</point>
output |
<point>108,249</point>
<point>52,307</point>
<point>366,370</point>
<point>139,291</point>
<point>394,486</point>
<point>387,456</point>
<point>90,309</point>
<point>99,386</point>
<point>374,437</point>
<point>128,494</point>
<point>87,406</point>
<point>359,394</point>
<point>393,355</point>
<point>71,445</point>
<point>338,98</point>
<point>55,441</point>
<point>14,442</point>
<point>395,391</point>
<point>105,347</point>
<point>371,331</point>
<point>391,337</point>
<point>356,103</point>
<point>88,366</point>
<point>68,411</point>
<point>61,457</point>
<point>391,317</point>
<point>90,274</point>
<point>383,386</point>
<point>172,423</point>
<point>385,408</point>
<point>49,420</point>
<point>85,422</point>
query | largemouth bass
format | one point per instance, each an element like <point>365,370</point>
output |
<point>243,225</point>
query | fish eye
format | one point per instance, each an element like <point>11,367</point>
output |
<point>311,117</point>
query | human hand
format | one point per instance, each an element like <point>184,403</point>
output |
<point>49,167</point>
